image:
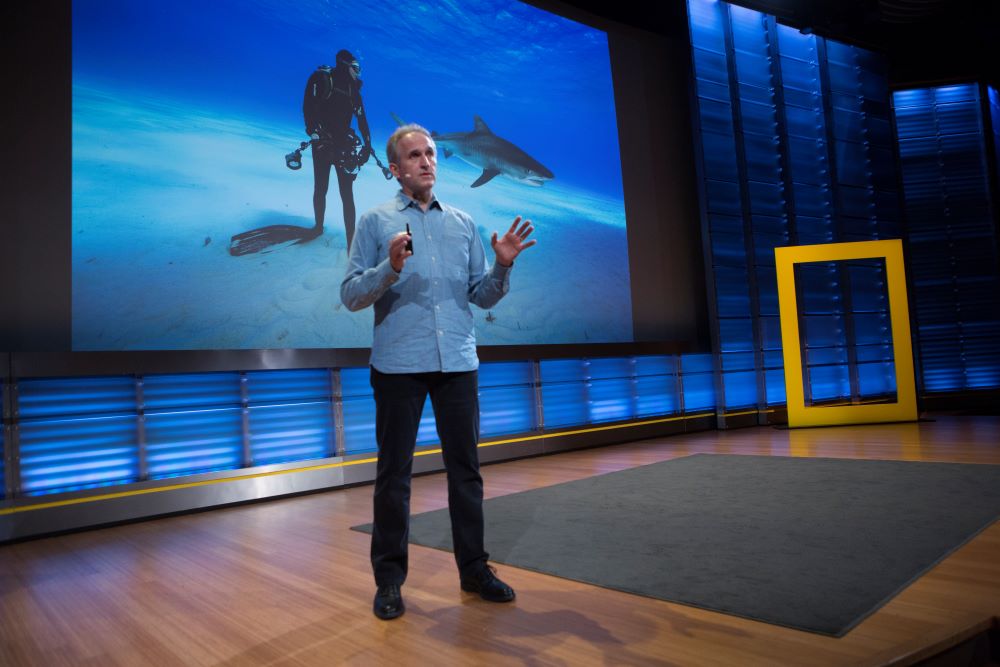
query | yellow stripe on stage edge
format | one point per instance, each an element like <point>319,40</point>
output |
<point>324,466</point>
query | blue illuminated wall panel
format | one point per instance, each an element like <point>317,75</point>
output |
<point>191,390</point>
<point>427,433</point>
<point>795,148</point>
<point>193,441</point>
<point>359,413</point>
<point>564,392</point>
<point>698,382</point>
<point>52,397</point>
<point>193,423</point>
<point>358,409</point>
<point>951,234</point>
<point>846,331</point>
<point>576,392</point>
<point>506,398</point>
<point>76,433</point>
<point>82,433</point>
<point>993,95</point>
<point>657,388</point>
<point>61,455</point>
<point>612,389</point>
<point>288,386</point>
<point>291,432</point>
<point>586,391</point>
<point>3,440</point>
<point>290,415</point>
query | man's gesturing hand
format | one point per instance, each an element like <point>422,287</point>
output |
<point>513,242</point>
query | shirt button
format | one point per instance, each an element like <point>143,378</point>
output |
<point>440,333</point>
<point>434,259</point>
<point>437,307</point>
<point>429,237</point>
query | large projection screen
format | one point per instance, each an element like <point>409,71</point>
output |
<point>183,113</point>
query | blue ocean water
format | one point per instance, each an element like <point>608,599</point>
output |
<point>183,111</point>
<point>539,80</point>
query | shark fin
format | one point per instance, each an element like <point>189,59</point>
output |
<point>480,125</point>
<point>486,177</point>
<point>399,121</point>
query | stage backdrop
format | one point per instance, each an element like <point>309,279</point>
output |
<point>183,113</point>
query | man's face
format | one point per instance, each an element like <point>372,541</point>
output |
<point>416,168</point>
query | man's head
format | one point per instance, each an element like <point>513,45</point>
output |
<point>346,60</point>
<point>412,159</point>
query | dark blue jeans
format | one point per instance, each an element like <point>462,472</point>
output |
<point>399,402</point>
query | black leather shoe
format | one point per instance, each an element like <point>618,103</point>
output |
<point>388,602</point>
<point>489,587</point>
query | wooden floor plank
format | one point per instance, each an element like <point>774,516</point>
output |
<point>287,582</point>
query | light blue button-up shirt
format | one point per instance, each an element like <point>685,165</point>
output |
<point>422,317</point>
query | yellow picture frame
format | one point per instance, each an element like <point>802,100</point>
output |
<point>801,415</point>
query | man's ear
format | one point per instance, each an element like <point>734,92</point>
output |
<point>394,168</point>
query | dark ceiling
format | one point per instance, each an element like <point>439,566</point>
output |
<point>927,41</point>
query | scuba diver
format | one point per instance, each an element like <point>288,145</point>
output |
<point>332,100</point>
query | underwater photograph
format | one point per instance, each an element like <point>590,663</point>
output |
<point>223,151</point>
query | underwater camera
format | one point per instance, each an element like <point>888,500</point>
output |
<point>294,159</point>
<point>348,155</point>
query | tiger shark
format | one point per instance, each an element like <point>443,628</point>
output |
<point>494,155</point>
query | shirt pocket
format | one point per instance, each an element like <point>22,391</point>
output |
<point>386,232</point>
<point>456,252</point>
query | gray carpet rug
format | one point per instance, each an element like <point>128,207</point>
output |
<point>812,544</point>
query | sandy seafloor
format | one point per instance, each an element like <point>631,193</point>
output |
<point>152,219</point>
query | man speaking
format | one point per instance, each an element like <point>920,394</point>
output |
<point>421,263</point>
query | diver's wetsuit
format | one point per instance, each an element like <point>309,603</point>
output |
<point>332,100</point>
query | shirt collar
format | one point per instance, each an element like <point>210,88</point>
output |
<point>403,201</point>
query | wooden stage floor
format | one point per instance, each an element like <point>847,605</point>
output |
<point>287,583</point>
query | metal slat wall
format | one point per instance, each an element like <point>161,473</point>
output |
<point>3,439</point>
<point>289,416</point>
<point>507,398</point>
<point>591,391</point>
<point>951,233</point>
<point>994,103</point>
<point>74,434</point>
<point>358,410</point>
<point>725,202</point>
<point>193,423</point>
<point>5,424</point>
<point>697,383</point>
<point>657,386</point>
<point>359,414</point>
<point>796,148</point>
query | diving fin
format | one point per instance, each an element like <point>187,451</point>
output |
<point>267,239</point>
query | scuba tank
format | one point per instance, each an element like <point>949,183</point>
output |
<point>342,146</point>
